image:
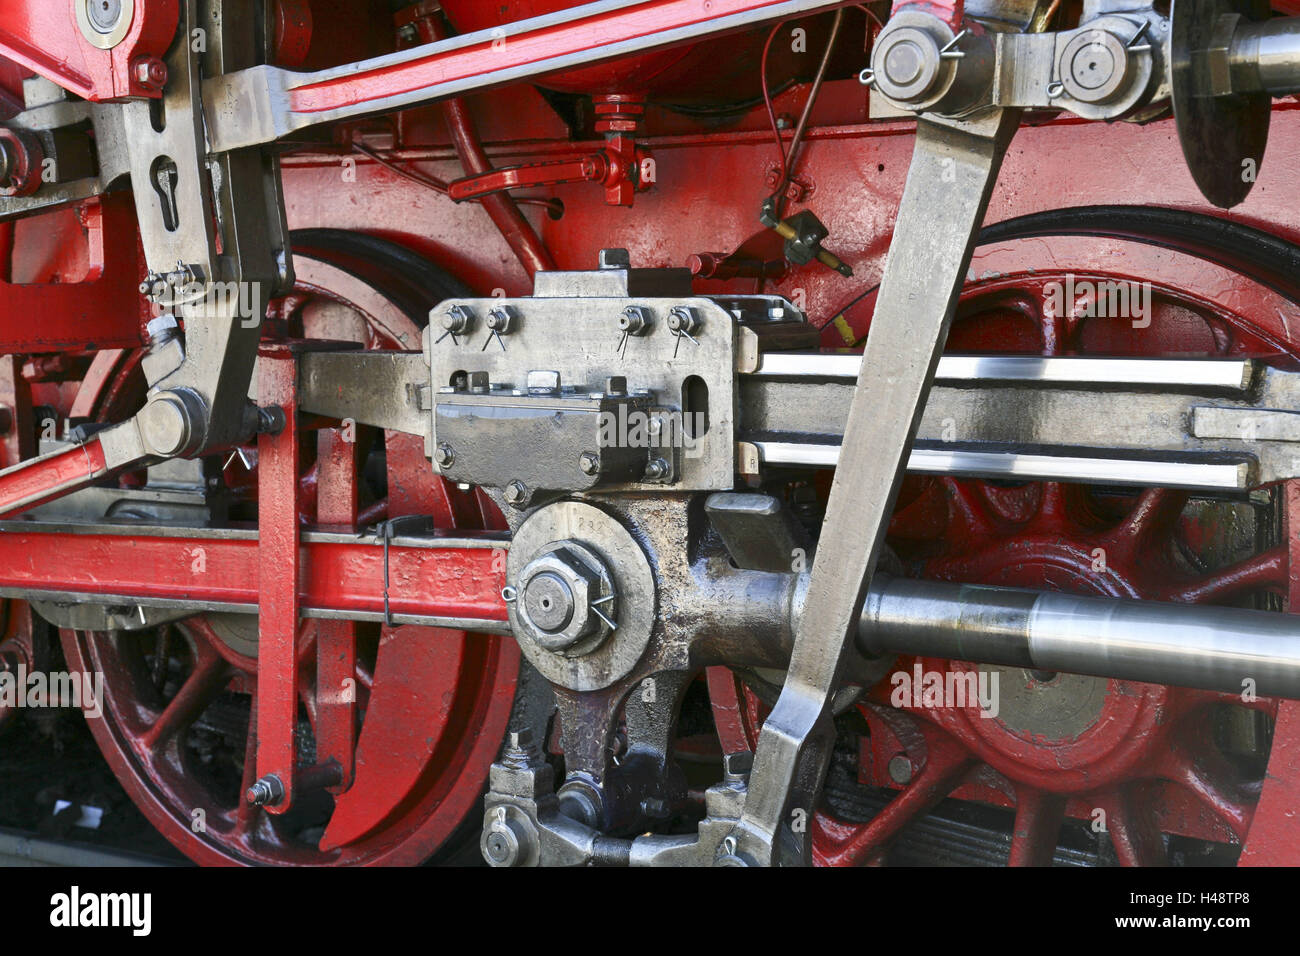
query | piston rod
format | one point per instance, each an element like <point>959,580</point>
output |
<point>1213,648</point>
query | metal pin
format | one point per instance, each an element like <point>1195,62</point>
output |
<point>605,600</point>
<point>1137,37</point>
<point>680,335</point>
<point>595,610</point>
<point>454,340</point>
<point>243,459</point>
<point>950,51</point>
<point>497,335</point>
<point>509,594</point>
<point>867,76</point>
<point>1055,89</point>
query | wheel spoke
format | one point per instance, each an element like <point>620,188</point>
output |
<point>1151,521</point>
<point>1256,573</point>
<point>1207,775</point>
<point>1133,829</point>
<point>1038,826</point>
<point>946,764</point>
<point>205,682</point>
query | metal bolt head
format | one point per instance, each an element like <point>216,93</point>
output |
<point>549,602</point>
<point>1095,66</point>
<point>683,320</point>
<point>150,72</point>
<point>266,792</point>
<point>900,769</point>
<point>501,319</point>
<point>567,602</point>
<point>457,319</point>
<point>516,494</point>
<point>500,845</point>
<point>589,462</point>
<point>444,455</point>
<point>634,320</point>
<point>655,469</point>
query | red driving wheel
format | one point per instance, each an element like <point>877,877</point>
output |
<point>179,700</point>
<point>1134,762</point>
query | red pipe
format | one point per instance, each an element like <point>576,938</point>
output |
<point>515,229</point>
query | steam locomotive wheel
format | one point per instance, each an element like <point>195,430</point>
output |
<point>179,726</point>
<point>1132,761</point>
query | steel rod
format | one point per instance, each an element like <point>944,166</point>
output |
<point>1232,650</point>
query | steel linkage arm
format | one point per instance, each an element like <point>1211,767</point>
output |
<point>261,105</point>
<point>953,170</point>
<point>215,241</point>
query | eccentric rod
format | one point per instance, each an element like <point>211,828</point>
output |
<point>1212,648</point>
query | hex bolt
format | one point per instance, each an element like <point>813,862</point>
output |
<point>634,320</point>
<point>550,602</point>
<point>457,319</point>
<point>444,456</point>
<point>589,463</point>
<point>516,494</point>
<point>267,792</point>
<point>150,72</point>
<point>656,469</point>
<point>683,320</point>
<point>501,319</point>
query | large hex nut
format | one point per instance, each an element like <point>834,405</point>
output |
<point>557,593</point>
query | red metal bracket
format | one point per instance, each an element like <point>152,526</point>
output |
<point>336,641</point>
<point>44,36</point>
<point>278,495</point>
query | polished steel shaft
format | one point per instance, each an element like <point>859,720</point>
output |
<point>1266,56</point>
<point>1214,648</point>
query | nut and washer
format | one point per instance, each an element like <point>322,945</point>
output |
<point>635,320</point>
